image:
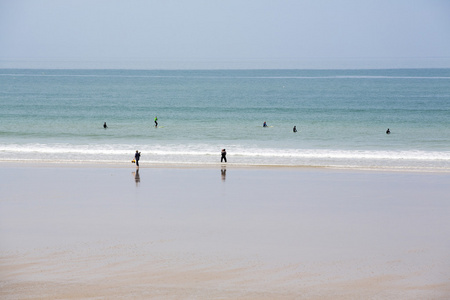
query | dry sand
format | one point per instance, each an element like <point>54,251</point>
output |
<point>235,233</point>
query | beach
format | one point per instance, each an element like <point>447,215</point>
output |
<point>79,231</point>
<point>293,150</point>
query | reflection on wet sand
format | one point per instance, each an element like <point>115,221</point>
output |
<point>223,172</point>
<point>137,178</point>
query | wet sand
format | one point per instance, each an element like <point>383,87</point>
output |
<point>78,232</point>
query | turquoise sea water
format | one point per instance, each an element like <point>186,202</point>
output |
<point>341,117</point>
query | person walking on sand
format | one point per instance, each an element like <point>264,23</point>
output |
<point>137,156</point>
<point>224,155</point>
<point>156,121</point>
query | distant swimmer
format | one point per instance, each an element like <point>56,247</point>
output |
<point>294,129</point>
<point>224,155</point>
<point>137,156</point>
<point>388,131</point>
<point>156,121</point>
<point>265,124</point>
<point>104,125</point>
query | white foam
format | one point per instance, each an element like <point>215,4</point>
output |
<point>238,154</point>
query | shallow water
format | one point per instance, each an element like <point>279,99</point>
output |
<point>341,117</point>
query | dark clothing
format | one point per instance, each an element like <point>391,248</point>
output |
<point>137,156</point>
<point>224,156</point>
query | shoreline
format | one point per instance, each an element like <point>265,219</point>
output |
<point>146,165</point>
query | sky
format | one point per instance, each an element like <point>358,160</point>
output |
<point>231,34</point>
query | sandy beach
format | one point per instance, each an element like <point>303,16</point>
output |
<point>89,232</point>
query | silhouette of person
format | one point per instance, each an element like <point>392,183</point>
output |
<point>224,155</point>
<point>388,131</point>
<point>294,129</point>
<point>104,125</point>
<point>137,156</point>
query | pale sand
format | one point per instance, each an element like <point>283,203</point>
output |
<point>202,233</point>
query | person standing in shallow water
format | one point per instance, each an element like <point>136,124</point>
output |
<point>294,129</point>
<point>156,121</point>
<point>137,156</point>
<point>224,155</point>
<point>104,125</point>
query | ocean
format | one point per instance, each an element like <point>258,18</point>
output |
<point>341,116</point>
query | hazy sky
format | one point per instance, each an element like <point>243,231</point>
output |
<point>225,33</point>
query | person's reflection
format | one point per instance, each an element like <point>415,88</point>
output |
<point>137,178</point>
<point>223,172</point>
